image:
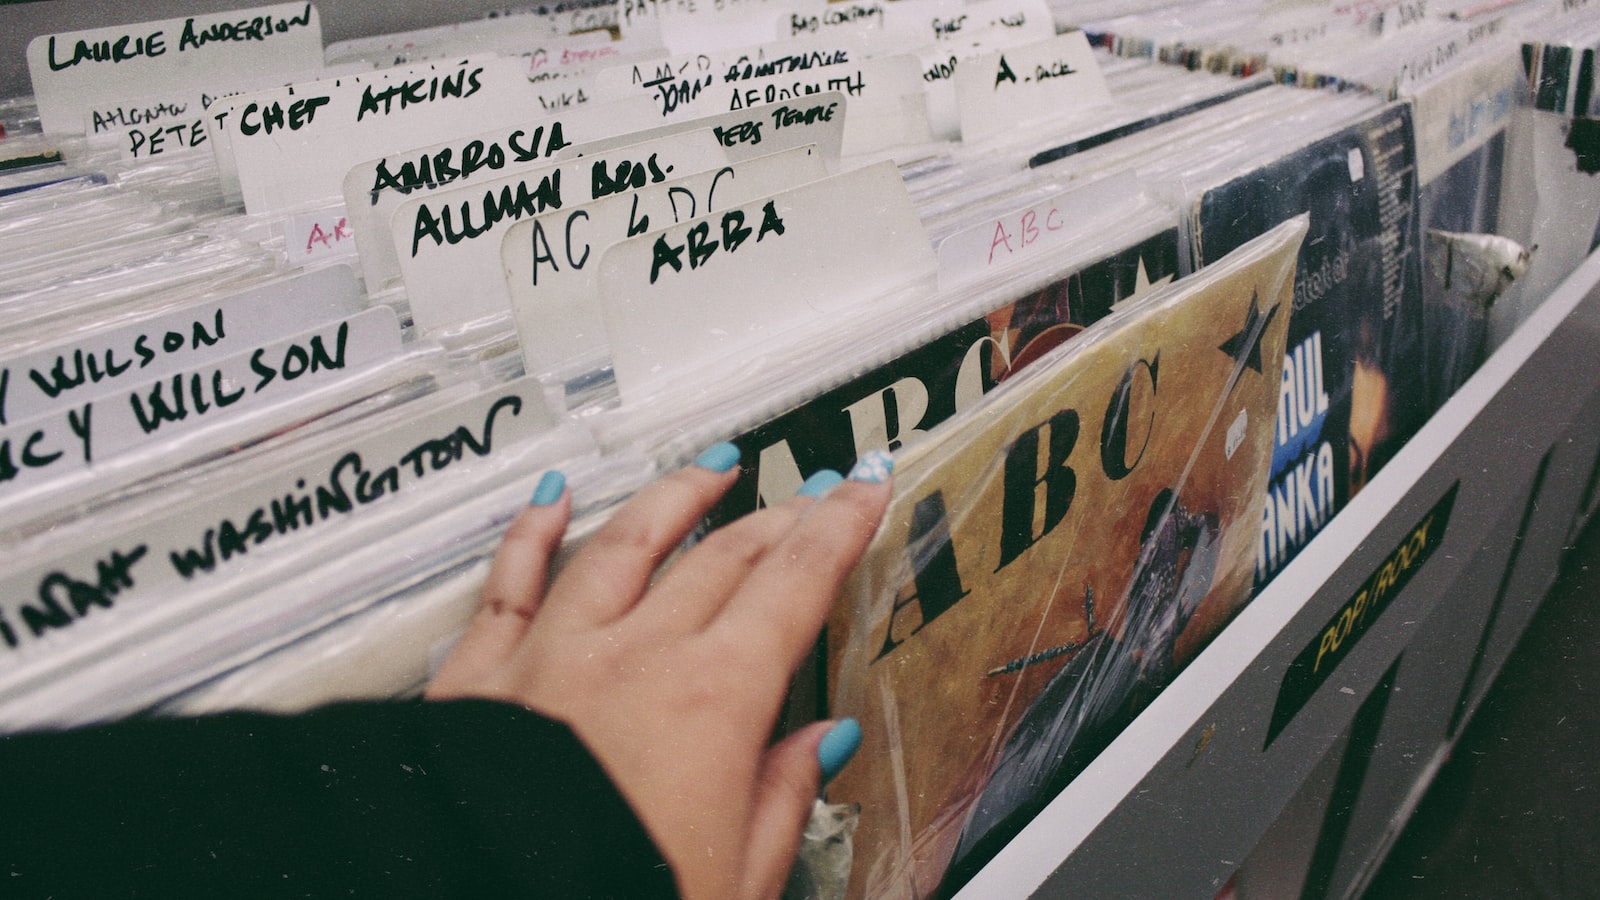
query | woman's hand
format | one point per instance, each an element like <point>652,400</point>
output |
<point>675,682</point>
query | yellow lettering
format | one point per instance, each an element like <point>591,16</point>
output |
<point>1330,643</point>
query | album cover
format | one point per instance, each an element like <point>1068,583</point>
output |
<point>905,397</point>
<point>1051,558</point>
<point>1350,395</point>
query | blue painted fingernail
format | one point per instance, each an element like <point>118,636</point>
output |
<point>549,490</point>
<point>718,457</point>
<point>838,747</point>
<point>820,483</point>
<point>874,467</point>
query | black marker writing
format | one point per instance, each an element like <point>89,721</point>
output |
<point>442,167</point>
<point>625,176</point>
<point>129,117</point>
<point>257,118</point>
<point>63,599</point>
<point>462,84</point>
<point>349,485</point>
<point>511,202</point>
<point>121,49</point>
<point>699,245</point>
<point>257,28</point>
<point>199,393</point>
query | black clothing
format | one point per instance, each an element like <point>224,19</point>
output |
<point>466,798</point>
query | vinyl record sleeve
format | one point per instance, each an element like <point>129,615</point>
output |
<point>1050,559</point>
<point>905,397</point>
<point>1351,396</point>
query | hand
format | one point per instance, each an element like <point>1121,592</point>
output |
<point>675,682</point>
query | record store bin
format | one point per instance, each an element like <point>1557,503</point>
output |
<point>1233,363</point>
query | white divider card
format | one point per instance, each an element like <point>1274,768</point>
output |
<point>816,119</point>
<point>54,378</point>
<point>374,189</point>
<point>941,60</point>
<point>510,37</point>
<point>673,81</point>
<point>552,261</point>
<point>906,26</point>
<point>1030,18</point>
<point>1056,79</point>
<point>53,611</point>
<point>292,146</point>
<point>79,71</point>
<point>640,21</point>
<point>91,431</point>
<point>448,243</point>
<point>1023,235</point>
<point>140,129</point>
<point>700,296</point>
<point>885,98</point>
<point>175,123</point>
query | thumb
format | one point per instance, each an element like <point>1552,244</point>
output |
<point>791,776</point>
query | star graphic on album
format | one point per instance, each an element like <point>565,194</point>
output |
<point>1245,346</point>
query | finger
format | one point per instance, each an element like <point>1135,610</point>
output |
<point>610,574</point>
<point>807,569</point>
<point>696,587</point>
<point>786,787</point>
<point>512,591</point>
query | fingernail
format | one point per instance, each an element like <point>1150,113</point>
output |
<point>549,490</point>
<point>820,483</point>
<point>874,467</point>
<point>718,457</point>
<point>838,747</point>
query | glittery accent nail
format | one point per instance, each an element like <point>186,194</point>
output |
<point>874,467</point>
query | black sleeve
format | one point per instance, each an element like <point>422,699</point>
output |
<point>438,799</point>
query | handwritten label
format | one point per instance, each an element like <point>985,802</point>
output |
<point>293,146</point>
<point>1402,16</point>
<point>1056,80</point>
<point>1029,19</point>
<point>1027,233</point>
<point>374,189</point>
<point>675,85</point>
<point>677,304</point>
<point>54,378</point>
<point>940,61</point>
<point>192,398</point>
<point>318,237</point>
<point>551,262</point>
<point>448,243</point>
<point>884,96</point>
<point>884,28</point>
<point>75,73</point>
<point>758,131</point>
<point>141,129</point>
<point>50,609</point>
